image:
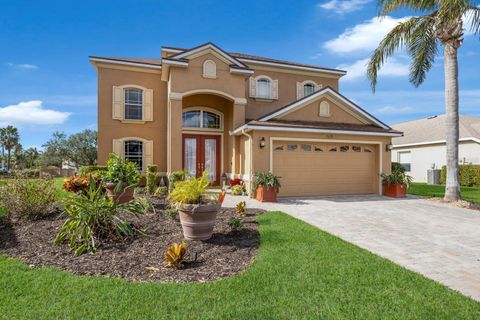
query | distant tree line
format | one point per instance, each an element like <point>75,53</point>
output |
<point>77,149</point>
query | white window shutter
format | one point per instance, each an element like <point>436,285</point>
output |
<point>148,152</point>
<point>275,89</point>
<point>148,105</point>
<point>117,105</point>
<point>299,90</point>
<point>118,146</point>
<point>253,87</point>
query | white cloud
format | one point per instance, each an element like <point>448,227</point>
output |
<point>343,6</point>
<point>24,66</point>
<point>32,113</point>
<point>363,37</point>
<point>358,69</point>
<point>396,110</point>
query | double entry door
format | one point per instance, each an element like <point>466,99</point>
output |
<point>202,153</point>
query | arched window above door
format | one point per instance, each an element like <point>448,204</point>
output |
<point>202,118</point>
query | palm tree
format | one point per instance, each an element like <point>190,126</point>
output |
<point>438,22</point>
<point>10,141</point>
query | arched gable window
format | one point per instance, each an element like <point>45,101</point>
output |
<point>209,69</point>
<point>308,89</point>
<point>203,118</point>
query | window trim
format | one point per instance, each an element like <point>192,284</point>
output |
<point>125,104</point>
<point>302,84</point>
<point>408,163</point>
<point>270,91</point>
<point>202,109</point>
<point>125,141</point>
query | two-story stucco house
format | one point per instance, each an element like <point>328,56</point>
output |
<point>229,113</point>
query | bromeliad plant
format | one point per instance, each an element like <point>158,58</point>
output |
<point>93,217</point>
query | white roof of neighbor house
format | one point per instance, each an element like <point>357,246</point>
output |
<point>432,130</point>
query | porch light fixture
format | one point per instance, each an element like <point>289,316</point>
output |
<point>262,142</point>
<point>388,147</point>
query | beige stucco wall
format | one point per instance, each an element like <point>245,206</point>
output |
<point>287,90</point>
<point>109,129</point>
<point>311,111</point>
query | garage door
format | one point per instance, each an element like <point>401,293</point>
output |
<point>308,168</point>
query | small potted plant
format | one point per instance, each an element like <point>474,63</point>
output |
<point>266,186</point>
<point>120,178</point>
<point>396,183</point>
<point>197,209</point>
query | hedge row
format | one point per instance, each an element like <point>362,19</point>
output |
<point>84,170</point>
<point>469,175</point>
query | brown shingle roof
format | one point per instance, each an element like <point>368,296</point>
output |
<point>321,125</point>
<point>434,129</point>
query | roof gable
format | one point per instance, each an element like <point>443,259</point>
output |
<point>209,48</point>
<point>346,104</point>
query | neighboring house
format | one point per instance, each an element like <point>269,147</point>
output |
<point>423,145</point>
<point>235,114</point>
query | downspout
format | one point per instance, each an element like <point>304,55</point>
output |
<point>250,160</point>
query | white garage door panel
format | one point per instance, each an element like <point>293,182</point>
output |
<point>306,172</point>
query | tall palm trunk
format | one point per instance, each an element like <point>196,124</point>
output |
<point>8,159</point>
<point>452,190</point>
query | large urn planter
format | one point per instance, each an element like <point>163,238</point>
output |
<point>198,220</point>
<point>268,194</point>
<point>395,190</point>
<point>123,195</point>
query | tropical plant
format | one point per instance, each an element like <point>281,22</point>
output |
<point>171,212</point>
<point>175,254</point>
<point>439,22</point>
<point>240,209</point>
<point>79,184</point>
<point>29,198</point>
<point>120,171</point>
<point>93,217</point>
<point>397,176</point>
<point>95,170</point>
<point>152,178</point>
<point>235,223</point>
<point>238,190</point>
<point>9,138</point>
<point>177,176</point>
<point>160,191</point>
<point>266,180</point>
<point>192,191</point>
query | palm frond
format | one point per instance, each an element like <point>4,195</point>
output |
<point>393,41</point>
<point>473,15</point>
<point>387,6</point>
<point>422,48</point>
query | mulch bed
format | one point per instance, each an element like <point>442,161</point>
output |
<point>225,254</point>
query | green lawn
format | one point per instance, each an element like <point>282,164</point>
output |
<point>428,190</point>
<point>300,273</point>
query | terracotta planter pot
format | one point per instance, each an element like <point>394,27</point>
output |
<point>266,194</point>
<point>198,220</point>
<point>124,195</point>
<point>395,190</point>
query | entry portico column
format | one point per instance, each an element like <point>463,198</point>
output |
<point>174,134</point>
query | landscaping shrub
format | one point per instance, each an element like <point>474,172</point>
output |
<point>29,198</point>
<point>160,191</point>
<point>235,223</point>
<point>79,184</point>
<point>171,212</point>
<point>120,171</point>
<point>238,190</point>
<point>192,191</point>
<point>28,173</point>
<point>92,217</point>
<point>95,170</point>
<point>240,209</point>
<point>469,175</point>
<point>175,177</point>
<point>152,178</point>
<point>397,176</point>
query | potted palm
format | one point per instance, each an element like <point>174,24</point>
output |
<point>197,209</point>
<point>120,178</point>
<point>396,183</point>
<point>266,186</point>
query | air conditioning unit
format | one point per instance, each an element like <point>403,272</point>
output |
<point>433,176</point>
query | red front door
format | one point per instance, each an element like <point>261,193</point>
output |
<point>202,153</point>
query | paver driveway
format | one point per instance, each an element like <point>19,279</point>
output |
<point>439,241</point>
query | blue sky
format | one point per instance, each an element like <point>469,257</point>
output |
<point>45,47</point>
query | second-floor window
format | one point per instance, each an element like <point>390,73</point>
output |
<point>133,104</point>
<point>308,89</point>
<point>264,88</point>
